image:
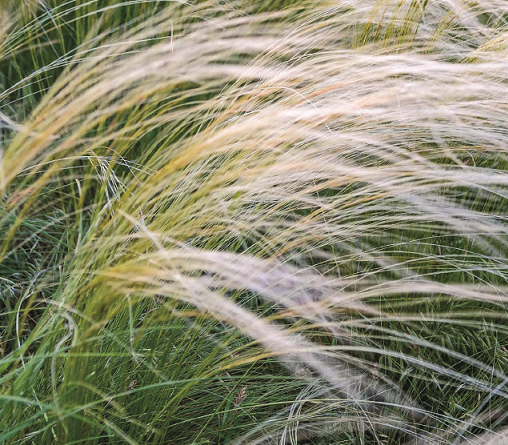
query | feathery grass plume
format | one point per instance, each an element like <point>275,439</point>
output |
<point>268,222</point>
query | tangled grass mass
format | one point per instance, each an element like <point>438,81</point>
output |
<point>254,222</point>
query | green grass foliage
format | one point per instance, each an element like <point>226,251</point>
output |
<point>253,222</point>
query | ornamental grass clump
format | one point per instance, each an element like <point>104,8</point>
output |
<point>253,222</point>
